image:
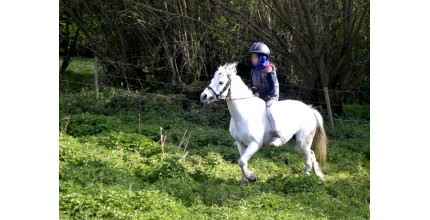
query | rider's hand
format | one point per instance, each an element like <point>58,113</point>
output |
<point>267,98</point>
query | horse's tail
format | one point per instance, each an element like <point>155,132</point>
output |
<point>321,142</point>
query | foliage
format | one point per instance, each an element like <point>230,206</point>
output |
<point>314,44</point>
<point>112,167</point>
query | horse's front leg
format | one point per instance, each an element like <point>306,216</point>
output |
<point>247,175</point>
<point>241,148</point>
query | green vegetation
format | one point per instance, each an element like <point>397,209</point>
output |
<point>113,166</point>
<point>80,70</point>
<point>114,160</point>
<point>313,44</point>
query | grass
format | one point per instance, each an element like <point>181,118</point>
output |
<point>113,167</point>
<point>80,70</point>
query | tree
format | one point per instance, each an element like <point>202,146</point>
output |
<point>315,44</point>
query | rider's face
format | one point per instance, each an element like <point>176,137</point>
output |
<point>254,59</point>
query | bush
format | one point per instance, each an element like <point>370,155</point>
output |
<point>86,124</point>
<point>194,89</point>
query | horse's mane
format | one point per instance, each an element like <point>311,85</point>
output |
<point>230,70</point>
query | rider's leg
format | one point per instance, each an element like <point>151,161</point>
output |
<point>276,133</point>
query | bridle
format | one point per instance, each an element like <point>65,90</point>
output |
<point>227,86</point>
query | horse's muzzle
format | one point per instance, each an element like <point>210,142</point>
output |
<point>203,97</point>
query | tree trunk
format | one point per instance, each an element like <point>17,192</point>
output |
<point>69,51</point>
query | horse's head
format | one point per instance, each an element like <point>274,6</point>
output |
<point>219,88</point>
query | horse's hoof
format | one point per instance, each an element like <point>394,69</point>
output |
<point>244,182</point>
<point>252,177</point>
<point>307,173</point>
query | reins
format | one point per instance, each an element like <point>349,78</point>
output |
<point>230,98</point>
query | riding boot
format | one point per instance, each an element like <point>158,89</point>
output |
<point>276,133</point>
<point>276,139</point>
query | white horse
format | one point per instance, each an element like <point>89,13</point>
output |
<point>249,124</point>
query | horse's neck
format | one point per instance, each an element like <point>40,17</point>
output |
<point>238,88</point>
<point>234,110</point>
<point>240,103</point>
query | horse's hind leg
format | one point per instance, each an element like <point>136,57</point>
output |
<point>309,157</point>
<point>303,147</point>
<point>316,166</point>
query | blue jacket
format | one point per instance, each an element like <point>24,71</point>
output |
<point>266,82</point>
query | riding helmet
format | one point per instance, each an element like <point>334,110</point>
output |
<point>259,47</point>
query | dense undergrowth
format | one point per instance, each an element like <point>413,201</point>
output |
<point>112,165</point>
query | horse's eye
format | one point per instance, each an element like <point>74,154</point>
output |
<point>221,83</point>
